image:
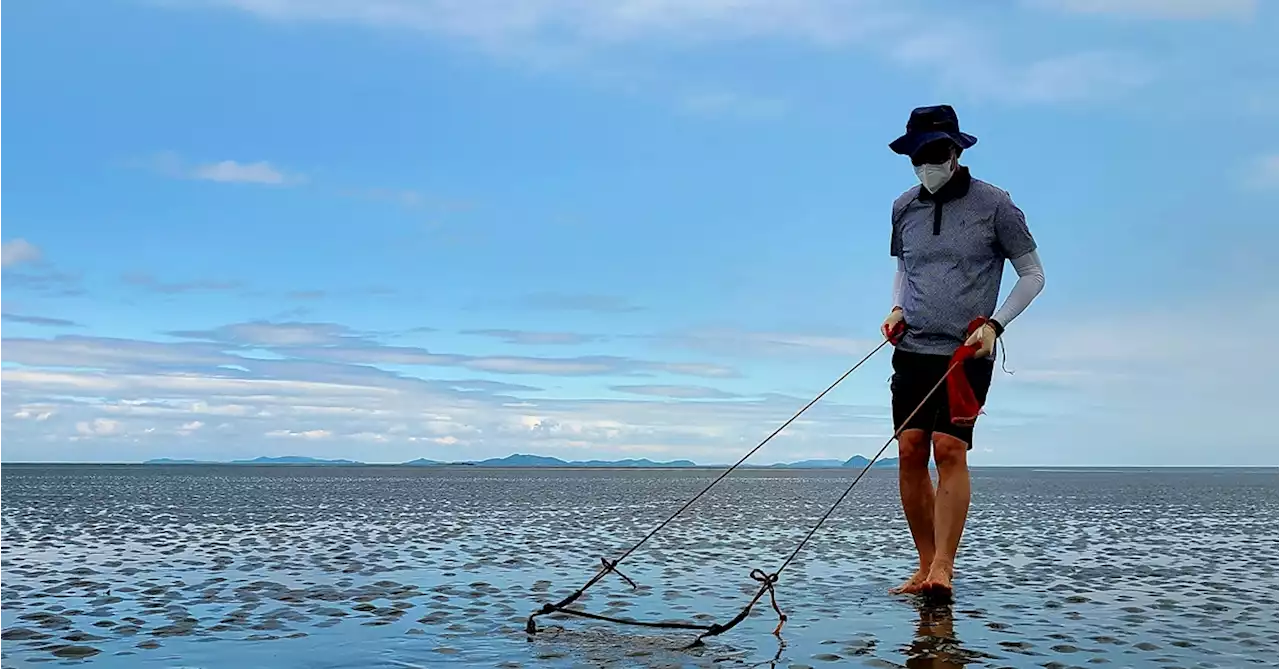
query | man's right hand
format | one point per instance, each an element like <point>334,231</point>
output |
<point>894,326</point>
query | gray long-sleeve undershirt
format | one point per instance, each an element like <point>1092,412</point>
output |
<point>1030,283</point>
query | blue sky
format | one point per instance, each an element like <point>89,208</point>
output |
<point>389,229</point>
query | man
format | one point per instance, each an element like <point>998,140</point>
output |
<point>951,236</point>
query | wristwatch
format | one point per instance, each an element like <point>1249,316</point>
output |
<point>995,325</point>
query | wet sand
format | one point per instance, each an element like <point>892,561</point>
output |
<point>138,566</point>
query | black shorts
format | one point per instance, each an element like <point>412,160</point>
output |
<point>914,375</point>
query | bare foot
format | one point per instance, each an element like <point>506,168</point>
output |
<point>913,584</point>
<point>937,585</point>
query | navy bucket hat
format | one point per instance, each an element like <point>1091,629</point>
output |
<point>929,124</point>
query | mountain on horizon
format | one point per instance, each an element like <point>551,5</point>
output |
<point>526,460</point>
<point>293,460</point>
<point>859,461</point>
<point>529,460</point>
<point>807,464</point>
<point>261,460</point>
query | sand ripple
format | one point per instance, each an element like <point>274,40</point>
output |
<point>253,566</point>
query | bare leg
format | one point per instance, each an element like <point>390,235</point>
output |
<point>952,507</point>
<point>916,490</point>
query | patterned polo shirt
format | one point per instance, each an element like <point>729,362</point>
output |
<point>953,245</point>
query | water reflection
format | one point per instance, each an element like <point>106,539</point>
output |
<point>776,661</point>
<point>935,645</point>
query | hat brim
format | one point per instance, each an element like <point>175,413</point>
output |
<point>912,141</point>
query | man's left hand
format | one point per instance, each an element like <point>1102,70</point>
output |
<point>984,338</point>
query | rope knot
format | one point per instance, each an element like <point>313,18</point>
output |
<point>612,566</point>
<point>759,575</point>
<point>767,582</point>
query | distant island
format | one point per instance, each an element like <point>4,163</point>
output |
<point>263,460</point>
<point>526,460</point>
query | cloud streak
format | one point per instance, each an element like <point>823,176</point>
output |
<point>577,25</point>
<point>749,344</point>
<point>259,172</point>
<point>42,321</point>
<point>1158,9</point>
<point>528,338</point>
<point>1261,173</point>
<point>17,252</point>
<point>152,284</point>
<point>968,66</point>
<point>571,35</point>
<point>676,392</point>
<point>142,396</point>
<point>270,334</point>
<point>48,282</point>
<point>26,269</point>
<point>598,365</point>
<point>230,171</point>
<point>296,342</point>
<point>237,389</point>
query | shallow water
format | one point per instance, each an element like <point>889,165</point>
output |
<point>318,566</point>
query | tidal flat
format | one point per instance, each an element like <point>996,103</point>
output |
<point>330,566</point>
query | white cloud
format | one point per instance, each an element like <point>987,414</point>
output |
<point>18,251</point>
<point>34,412</point>
<point>144,386</point>
<point>186,429</point>
<point>98,427</point>
<point>174,166</point>
<point>592,38</point>
<point>301,434</point>
<point>969,67</point>
<point>396,418</point>
<point>1135,388</point>
<point>568,367</point>
<point>524,337</point>
<point>501,27</point>
<point>1163,9</point>
<point>1147,386</point>
<point>264,333</point>
<point>1261,173</point>
<point>230,171</point>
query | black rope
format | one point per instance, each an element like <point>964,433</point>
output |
<point>613,567</point>
<point>767,580</point>
<point>629,621</point>
<point>609,566</point>
<point>1004,356</point>
<point>767,586</point>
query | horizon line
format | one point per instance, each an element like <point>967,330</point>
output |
<point>570,465</point>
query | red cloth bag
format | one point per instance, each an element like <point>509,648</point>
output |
<point>964,405</point>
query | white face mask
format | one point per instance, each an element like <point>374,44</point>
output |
<point>933,177</point>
